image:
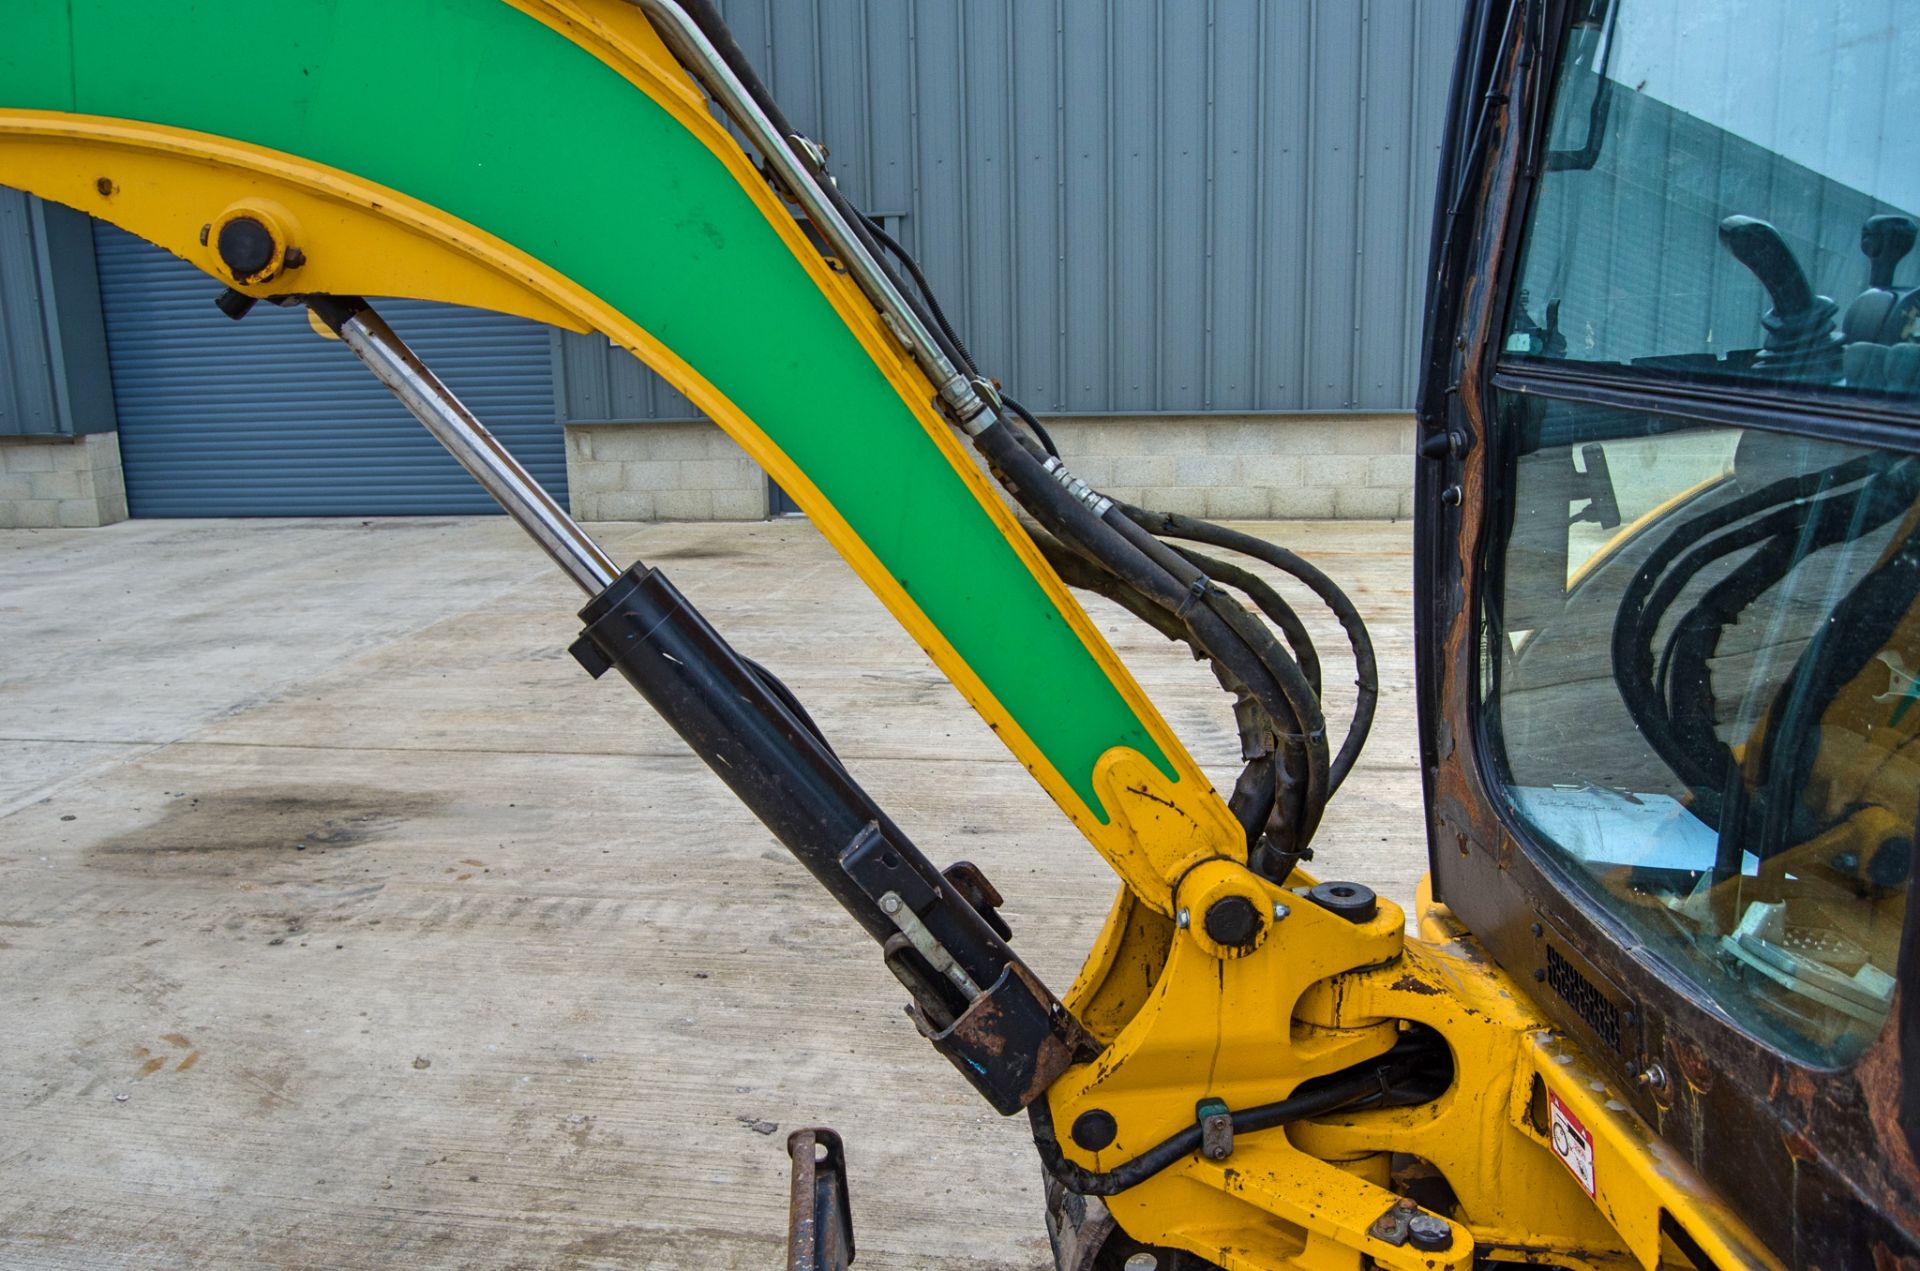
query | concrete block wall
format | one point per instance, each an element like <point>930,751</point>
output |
<point>661,472</point>
<point>1251,467</point>
<point>1255,467</point>
<point>61,482</point>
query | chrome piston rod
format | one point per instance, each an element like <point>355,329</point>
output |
<point>467,440</point>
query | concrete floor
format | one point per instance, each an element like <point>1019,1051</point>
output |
<point>344,922</point>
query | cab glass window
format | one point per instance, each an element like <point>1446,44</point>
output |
<point>1701,641</point>
<point>1729,195</point>
<point>1702,678</point>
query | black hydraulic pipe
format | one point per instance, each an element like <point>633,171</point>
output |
<point>1410,1073</point>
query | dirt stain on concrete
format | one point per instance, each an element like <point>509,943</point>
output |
<point>227,831</point>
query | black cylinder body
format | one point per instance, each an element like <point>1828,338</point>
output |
<point>784,774</point>
<point>985,1010</point>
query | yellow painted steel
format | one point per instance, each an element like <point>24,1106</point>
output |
<point>1318,995</point>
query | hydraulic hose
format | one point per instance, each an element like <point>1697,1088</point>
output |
<point>934,310</point>
<point>1113,542</point>
<point>1040,433</point>
<point>1269,602</point>
<point>1664,575</point>
<point>1366,670</point>
<point>1394,1078</point>
<point>1246,654</point>
<point>1291,700</point>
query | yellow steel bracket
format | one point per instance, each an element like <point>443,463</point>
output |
<point>1315,993</point>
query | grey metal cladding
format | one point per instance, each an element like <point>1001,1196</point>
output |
<point>1127,206</point>
<point>53,352</point>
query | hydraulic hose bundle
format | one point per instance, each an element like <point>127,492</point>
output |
<point>1662,666</point>
<point>1726,559</point>
<point>1133,557</point>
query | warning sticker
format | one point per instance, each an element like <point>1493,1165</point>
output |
<point>1572,1142</point>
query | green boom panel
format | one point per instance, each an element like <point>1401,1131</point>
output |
<point>476,108</point>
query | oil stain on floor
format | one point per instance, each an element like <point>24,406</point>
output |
<point>246,830</point>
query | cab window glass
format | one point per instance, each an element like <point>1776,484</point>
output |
<point>1702,693</point>
<point>1729,194</point>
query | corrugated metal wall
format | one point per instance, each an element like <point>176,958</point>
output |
<point>1126,206</point>
<point>53,352</point>
<point>264,418</point>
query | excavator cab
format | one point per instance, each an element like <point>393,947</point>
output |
<point>1669,560</point>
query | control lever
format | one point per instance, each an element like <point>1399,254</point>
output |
<point>1801,340</point>
<point>1885,242</point>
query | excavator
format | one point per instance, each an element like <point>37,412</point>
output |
<point>1655,1006</point>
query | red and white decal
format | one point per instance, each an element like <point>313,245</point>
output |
<point>1572,1142</point>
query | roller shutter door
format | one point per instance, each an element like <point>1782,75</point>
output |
<point>264,418</point>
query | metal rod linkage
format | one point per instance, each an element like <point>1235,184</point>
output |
<point>467,440</point>
<point>705,63</point>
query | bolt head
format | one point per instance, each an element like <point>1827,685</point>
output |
<point>1355,902</point>
<point>1182,920</point>
<point>1233,921</point>
<point>246,246</point>
<point>890,904</point>
<point>1280,911</point>
<point>1429,1232</point>
<point>1094,1130</point>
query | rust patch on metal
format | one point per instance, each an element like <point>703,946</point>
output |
<point>979,1027</point>
<point>1693,1066</point>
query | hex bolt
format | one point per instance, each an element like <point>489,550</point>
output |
<point>1142,1262</point>
<point>1655,1076</point>
<point>1280,911</point>
<point>1183,919</point>
<point>890,903</point>
<point>1429,1232</point>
